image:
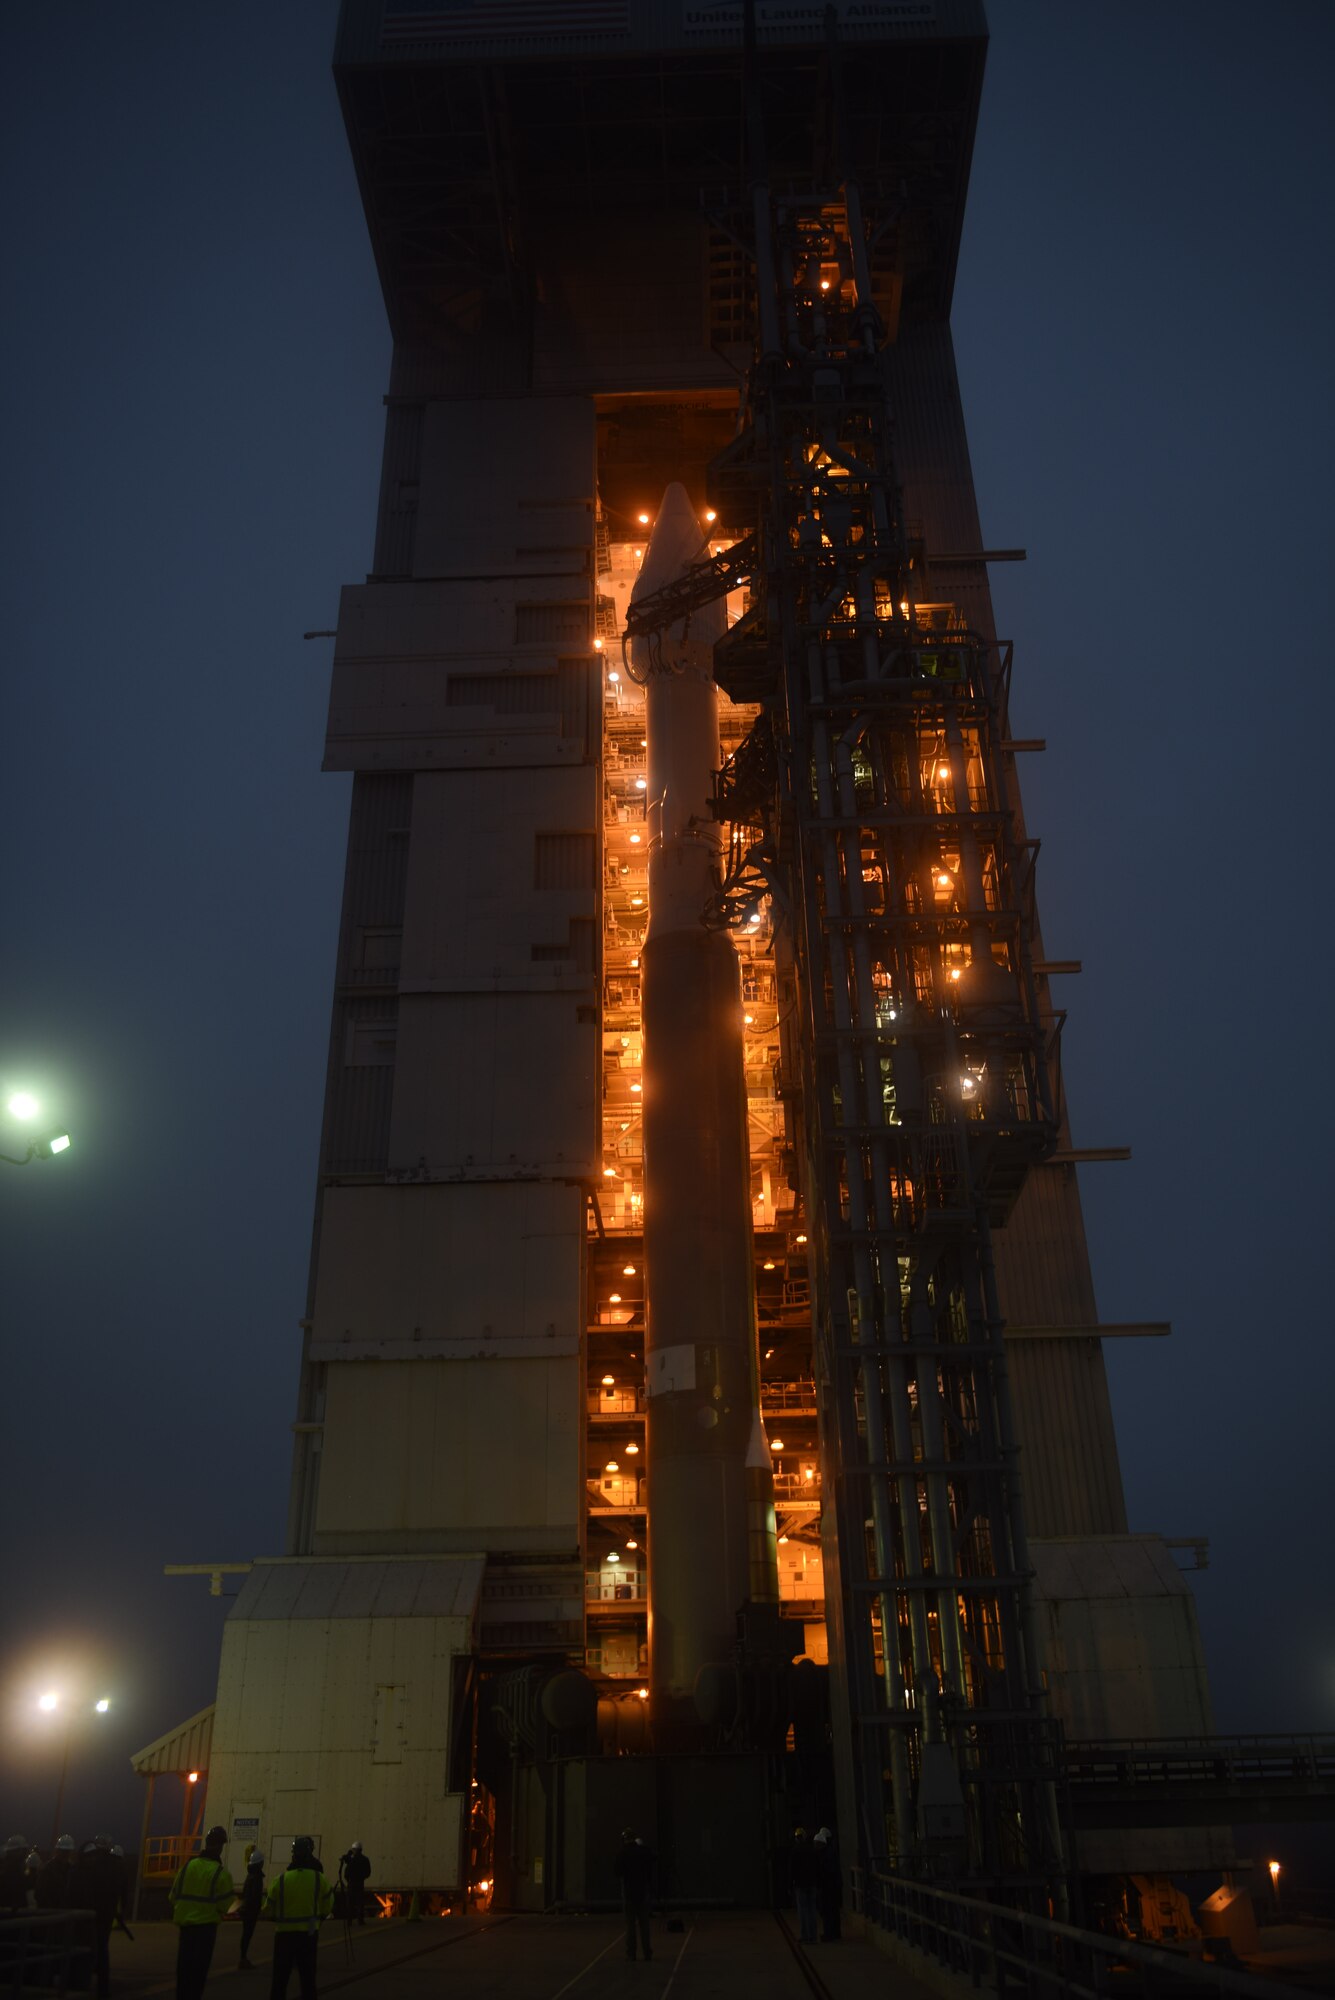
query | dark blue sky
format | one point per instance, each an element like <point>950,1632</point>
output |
<point>193,359</point>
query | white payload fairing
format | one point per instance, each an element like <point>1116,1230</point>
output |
<point>710,1485</point>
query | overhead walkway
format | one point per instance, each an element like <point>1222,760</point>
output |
<point>1201,1781</point>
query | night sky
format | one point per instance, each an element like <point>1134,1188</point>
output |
<point>194,353</point>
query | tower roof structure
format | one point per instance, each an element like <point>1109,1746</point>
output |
<point>473,127</point>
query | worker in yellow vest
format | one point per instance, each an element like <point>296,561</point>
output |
<point>200,1898</point>
<point>299,1900</point>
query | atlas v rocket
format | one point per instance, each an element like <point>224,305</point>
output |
<point>710,1485</point>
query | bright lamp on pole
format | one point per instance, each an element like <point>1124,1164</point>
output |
<point>22,1105</point>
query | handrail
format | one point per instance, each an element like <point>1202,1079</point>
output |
<point>1227,1759</point>
<point>38,1948</point>
<point>1018,1950</point>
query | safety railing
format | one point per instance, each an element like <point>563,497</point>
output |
<point>1013,1951</point>
<point>46,1949</point>
<point>615,1403</point>
<point>791,1487</point>
<point>628,1588</point>
<point>164,1853</point>
<point>1261,1761</point>
<point>775,1396</point>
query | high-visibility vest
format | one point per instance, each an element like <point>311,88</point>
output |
<point>201,1892</point>
<point>299,1900</point>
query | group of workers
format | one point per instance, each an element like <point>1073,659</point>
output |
<point>300,1899</point>
<point>297,1902</point>
<point>91,1877</point>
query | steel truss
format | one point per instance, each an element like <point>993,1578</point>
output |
<point>870,804</point>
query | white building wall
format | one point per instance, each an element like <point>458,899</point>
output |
<point>335,1716</point>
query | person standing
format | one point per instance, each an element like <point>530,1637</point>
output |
<point>635,1872</point>
<point>98,1884</point>
<point>355,1868</point>
<point>13,1879</point>
<point>199,1899</point>
<point>53,1877</point>
<point>804,1869</point>
<point>252,1898</point>
<point>829,1885</point>
<point>299,1900</point>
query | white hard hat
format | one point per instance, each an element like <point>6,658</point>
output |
<point>65,1845</point>
<point>16,1844</point>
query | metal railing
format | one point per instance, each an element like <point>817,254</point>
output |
<point>788,1396</point>
<point>795,1486</point>
<point>1013,1951</point>
<point>45,1948</point>
<point>616,1403</point>
<point>164,1853</point>
<point>1263,1761</point>
<point>625,1588</point>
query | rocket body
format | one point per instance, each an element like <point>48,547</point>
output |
<point>710,1486</point>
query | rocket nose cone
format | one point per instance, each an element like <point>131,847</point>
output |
<point>757,1451</point>
<point>675,540</point>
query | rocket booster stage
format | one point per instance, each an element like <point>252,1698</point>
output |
<point>710,1485</point>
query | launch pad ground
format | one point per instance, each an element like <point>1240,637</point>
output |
<point>717,1956</point>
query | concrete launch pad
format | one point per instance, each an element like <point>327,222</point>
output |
<point>715,1957</point>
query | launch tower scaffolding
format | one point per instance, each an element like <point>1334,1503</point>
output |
<point>869,803</point>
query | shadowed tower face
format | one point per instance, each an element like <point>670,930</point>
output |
<point>688,1138</point>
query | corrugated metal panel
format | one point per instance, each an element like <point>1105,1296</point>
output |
<point>460,365</point>
<point>580,699</point>
<point>498,1085</point>
<point>932,455</point>
<point>564,861</point>
<point>504,694</point>
<point>1120,1638</point>
<point>391,707</point>
<point>185,1748</point>
<point>1041,1256</point>
<point>549,624</point>
<point>400,480</point>
<point>638,312</point>
<point>473,911</point>
<point>358,1098</point>
<point>1068,1448</point>
<point>331,1724</point>
<point>412,1273</point>
<point>507,488</point>
<point>451,1455</point>
<point>551,29</point>
<point>413,1587</point>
